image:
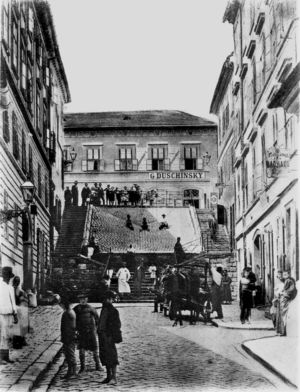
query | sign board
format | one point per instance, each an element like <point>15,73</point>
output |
<point>177,175</point>
<point>213,198</point>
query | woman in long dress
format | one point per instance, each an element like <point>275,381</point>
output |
<point>21,328</point>
<point>123,276</point>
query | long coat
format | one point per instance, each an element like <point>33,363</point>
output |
<point>109,332</point>
<point>75,195</point>
<point>86,323</point>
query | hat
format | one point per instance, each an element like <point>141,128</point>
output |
<point>8,272</point>
<point>82,295</point>
<point>163,215</point>
<point>110,294</point>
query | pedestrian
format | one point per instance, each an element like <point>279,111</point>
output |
<point>101,194</point>
<point>246,295</point>
<point>107,190</point>
<point>68,336</point>
<point>8,314</point>
<point>129,224</point>
<point>75,193</point>
<point>125,196</point>
<point>178,251</point>
<point>85,194</point>
<point>139,274</point>
<point>288,293</point>
<point>109,334</point>
<point>118,196</point>
<point>216,293</point>
<point>278,287</point>
<point>21,328</point>
<point>68,197</point>
<point>144,226</point>
<point>86,324</point>
<point>226,288</point>
<point>163,224</point>
<point>111,196</point>
<point>123,276</point>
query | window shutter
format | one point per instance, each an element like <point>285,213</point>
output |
<point>101,164</point>
<point>199,163</point>
<point>161,153</point>
<point>134,164</point>
<point>90,165</point>
<point>117,164</point>
<point>167,164</point>
<point>182,164</point>
<point>84,165</point>
<point>194,152</point>
<point>149,164</point>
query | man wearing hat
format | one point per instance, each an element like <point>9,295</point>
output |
<point>109,332</point>
<point>86,323</point>
<point>75,193</point>
<point>8,313</point>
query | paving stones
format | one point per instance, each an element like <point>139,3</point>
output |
<point>153,358</point>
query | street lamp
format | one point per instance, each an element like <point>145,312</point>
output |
<point>28,191</point>
<point>73,155</point>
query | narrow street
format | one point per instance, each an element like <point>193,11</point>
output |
<point>156,356</point>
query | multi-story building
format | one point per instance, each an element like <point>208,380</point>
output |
<point>223,105</point>
<point>171,152</point>
<point>34,89</point>
<point>265,93</point>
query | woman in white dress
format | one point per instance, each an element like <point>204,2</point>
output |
<point>123,276</point>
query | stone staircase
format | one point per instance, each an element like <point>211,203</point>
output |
<point>147,295</point>
<point>221,242</point>
<point>72,230</point>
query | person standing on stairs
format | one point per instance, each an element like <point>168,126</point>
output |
<point>86,324</point>
<point>85,194</point>
<point>123,276</point>
<point>75,193</point>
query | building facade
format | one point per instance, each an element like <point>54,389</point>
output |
<point>263,91</point>
<point>171,152</point>
<point>34,89</point>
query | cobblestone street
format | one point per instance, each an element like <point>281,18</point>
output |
<point>154,356</point>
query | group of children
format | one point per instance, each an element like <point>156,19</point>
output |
<point>145,225</point>
<point>83,327</point>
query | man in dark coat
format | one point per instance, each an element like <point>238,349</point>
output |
<point>68,197</point>
<point>86,324</point>
<point>75,193</point>
<point>179,252</point>
<point>85,193</point>
<point>109,332</point>
<point>68,336</point>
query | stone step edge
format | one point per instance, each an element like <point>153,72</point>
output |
<point>38,367</point>
<point>265,363</point>
<point>222,324</point>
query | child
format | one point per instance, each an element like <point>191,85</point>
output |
<point>68,336</point>
<point>109,333</point>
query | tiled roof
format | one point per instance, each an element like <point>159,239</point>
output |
<point>108,226</point>
<point>134,119</point>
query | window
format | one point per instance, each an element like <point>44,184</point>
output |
<point>14,37</point>
<point>263,59</point>
<point>46,192</point>
<point>15,140</point>
<point>38,110</point>
<point>30,20</point>
<point>16,227</point>
<point>93,161</point>
<point>5,24</point>
<point>245,183</point>
<point>24,158</point>
<point>275,127</point>
<point>5,207</point>
<point>6,134</point>
<point>30,164</point>
<point>191,158</point>
<point>30,88</point>
<point>253,81</point>
<point>39,181</point>
<point>126,161</point>
<point>23,71</point>
<point>254,184</point>
<point>158,158</point>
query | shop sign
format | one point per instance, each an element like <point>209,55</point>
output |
<point>276,159</point>
<point>177,175</point>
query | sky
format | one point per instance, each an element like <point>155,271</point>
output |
<point>142,54</point>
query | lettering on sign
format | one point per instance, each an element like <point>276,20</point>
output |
<point>177,175</point>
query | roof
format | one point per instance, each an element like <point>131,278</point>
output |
<point>46,22</point>
<point>135,119</point>
<point>222,84</point>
